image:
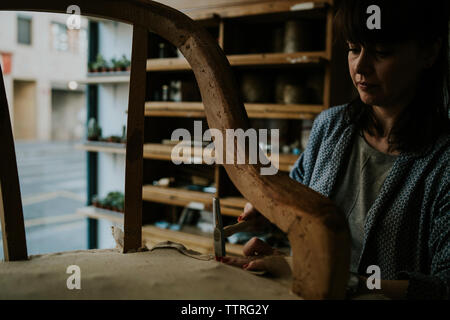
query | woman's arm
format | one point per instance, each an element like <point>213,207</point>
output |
<point>436,284</point>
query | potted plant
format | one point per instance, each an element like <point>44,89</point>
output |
<point>92,67</point>
<point>95,201</point>
<point>114,201</point>
<point>120,202</point>
<point>121,205</point>
<point>101,64</point>
<point>124,134</point>
<point>125,63</point>
<point>115,139</point>
<point>107,202</point>
<point>94,130</point>
<point>116,65</point>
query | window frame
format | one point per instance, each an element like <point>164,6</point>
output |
<point>30,20</point>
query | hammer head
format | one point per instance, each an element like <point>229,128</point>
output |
<point>219,236</point>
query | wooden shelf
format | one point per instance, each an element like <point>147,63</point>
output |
<point>277,58</point>
<point>99,213</point>
<point>176,196</point>
<point>158,151</point>
<point>242,60</point>
<point>168,64</point>
<point>106,78</point>
<point>283,111</point>
<point>152,235</point>
<point>254,110</point>
<point>108,147</point>
<point>231,206</point>
<point>231,9</point>
<point>174,109</point>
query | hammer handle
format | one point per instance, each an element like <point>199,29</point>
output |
<point>238,227</point>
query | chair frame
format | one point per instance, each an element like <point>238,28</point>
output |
<point>319,236</point>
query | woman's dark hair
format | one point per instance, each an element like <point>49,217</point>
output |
<point>427,117</point>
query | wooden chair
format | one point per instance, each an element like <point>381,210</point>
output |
<point>319,237</point>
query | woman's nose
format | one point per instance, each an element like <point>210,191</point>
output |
<point>364,64</point>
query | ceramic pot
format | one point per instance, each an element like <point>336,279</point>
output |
<point>255,88</point>
<point>297,36</point>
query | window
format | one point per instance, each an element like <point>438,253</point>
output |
<point>63,39</point>
<point>24,30</point>
<point>60,37</point>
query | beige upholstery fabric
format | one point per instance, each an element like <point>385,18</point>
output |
<point>163,273</point>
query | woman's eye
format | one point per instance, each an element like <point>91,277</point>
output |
<point>382,51</point>
<point>382,54</point>
<point>354,50</point>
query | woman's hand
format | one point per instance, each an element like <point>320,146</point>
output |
<point>257,247</point>
<point>254,250</point>
<point>246,263</point>
<point>250,214</point>
<point>256,256</point>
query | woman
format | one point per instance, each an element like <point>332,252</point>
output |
<point>384,158</point>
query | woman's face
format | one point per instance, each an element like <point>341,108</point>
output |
<point>385,75</point>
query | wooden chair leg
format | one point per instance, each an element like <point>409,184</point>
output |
<point>135,141</point>
<point>11,213</point>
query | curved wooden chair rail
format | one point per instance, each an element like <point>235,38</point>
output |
<point>319,237</point>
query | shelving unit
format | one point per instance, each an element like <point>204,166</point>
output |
<point>248,32</point>
<point>162,115</point>
<point>107,101</point>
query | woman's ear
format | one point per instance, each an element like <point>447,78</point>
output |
<point>432,53</point>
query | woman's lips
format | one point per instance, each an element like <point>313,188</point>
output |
<point>366,86</point>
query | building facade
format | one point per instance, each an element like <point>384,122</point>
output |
<point>42,61</point>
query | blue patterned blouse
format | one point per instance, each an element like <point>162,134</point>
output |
<point>407,229</point>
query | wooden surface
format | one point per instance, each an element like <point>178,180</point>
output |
<point>179,64</point>
<point>11,214</point>
<point>254,110</point>
<point>177,195</point>
<point>99,213</point>
<point>157,151</point>
<point>164,152</point>
<point>319,236</point>
<point>230,206</point>
<point>134,165</point>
